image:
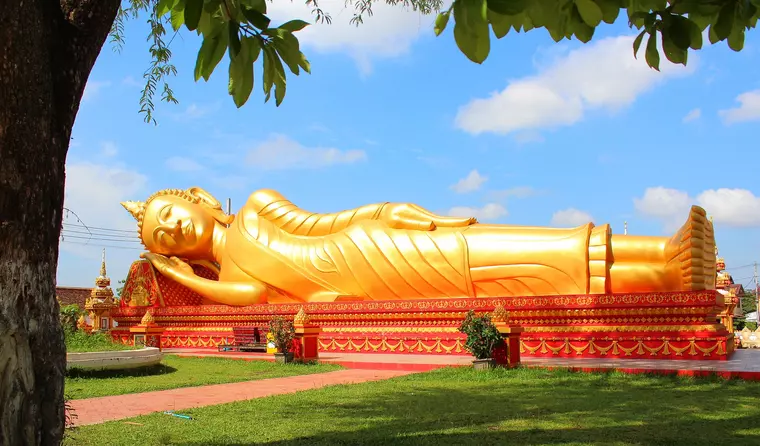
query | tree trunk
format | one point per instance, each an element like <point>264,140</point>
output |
<point>47,49</point>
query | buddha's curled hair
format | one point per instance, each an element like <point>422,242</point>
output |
<point>195,195</point>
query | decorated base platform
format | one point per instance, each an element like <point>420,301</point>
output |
<point>674,325</point>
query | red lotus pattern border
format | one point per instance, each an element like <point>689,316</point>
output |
<point>673,325</point>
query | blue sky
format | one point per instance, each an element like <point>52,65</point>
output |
<point>540,134</point>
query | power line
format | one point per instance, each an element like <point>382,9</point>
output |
<point>100,234</point>
<point>101,229</point>
<point>103,239</point>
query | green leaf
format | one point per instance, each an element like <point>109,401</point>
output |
<point>583,32</point>
<point>287,47</point>
<point>164,6</point>
<point>178,15</point>
<point>258,5</point>
<point>736,39</point>
<point>637,43</point>
<point>652,55</point>
<point>294,25</point>
<point>193,11</point>
<point>304,64</point>
<point>695,35</point>
<point>256,18</point>
<point>253,46</point>
<point>269,57</point>
<point>702,20</point>
<point>673,51</point>
<point>610,10</point>
<point>679,32</point>
<point>507,7</point>
<point>725,22</point>
<point>471,29</point>
<point>241,78</point>
<point>501,24</point>
<point>279,82</point>
<point>440,22</point>
<point>713,36</point>
<point>544,13</point>
<point>234,39</point>
<point>210,54</point>
<point>590,12</point>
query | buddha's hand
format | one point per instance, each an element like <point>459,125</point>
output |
<point>411,216</point>
<point>169,266</point>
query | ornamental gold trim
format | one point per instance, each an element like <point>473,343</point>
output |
<point>666,347</point>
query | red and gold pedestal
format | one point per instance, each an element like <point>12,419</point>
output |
<point>668,325</point>
<point>147,333</point>
<point>306,348</point>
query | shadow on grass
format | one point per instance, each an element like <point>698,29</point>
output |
<point>153,370</point>
<point>503,407</point>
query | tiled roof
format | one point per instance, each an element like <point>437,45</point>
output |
<point>72,295</point>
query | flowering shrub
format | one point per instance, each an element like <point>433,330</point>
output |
<point>283,332</point>
<point>482,335</point>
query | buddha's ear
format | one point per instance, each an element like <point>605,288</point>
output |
<point>211,202</point>
<point>205,197</point>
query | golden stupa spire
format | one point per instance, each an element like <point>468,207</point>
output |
<point>103,264</point>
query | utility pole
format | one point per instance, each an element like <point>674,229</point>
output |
<point>757,295</point>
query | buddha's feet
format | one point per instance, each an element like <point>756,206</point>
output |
<point>690,254</point>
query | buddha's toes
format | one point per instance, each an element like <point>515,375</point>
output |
<point>691,253</point>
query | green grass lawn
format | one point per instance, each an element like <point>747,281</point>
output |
<point>461,406</point>
<point>79,342</point>
<point>174,372</point>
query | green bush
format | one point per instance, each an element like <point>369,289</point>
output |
<point>482,335</point>
<point>283,333</point>
<point>69,316</point>
<point>78,341</point>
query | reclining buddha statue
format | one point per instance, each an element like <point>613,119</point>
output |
<point>272,251</point>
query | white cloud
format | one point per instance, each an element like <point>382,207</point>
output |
<point>661,202</point>
<point>388,33</point>
<point>280,152</point>
<point>489,212</point>
<point>601,75</point>
<point>734,207</point>
<point>571,217</point>
<point>108,149</point>
<point>183,164</point>
<point>195,111</point>
<point>693,115</point>
<point>748,109</point>
<point>131,82</point>
<point>729,207</point>
<point>93,191</point>
<point>472,182</point>
<point>92,89</point>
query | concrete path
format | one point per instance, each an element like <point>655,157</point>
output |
<point>109,408</point>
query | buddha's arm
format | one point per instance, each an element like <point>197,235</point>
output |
<point>228,293</point>
<point>272,206</point>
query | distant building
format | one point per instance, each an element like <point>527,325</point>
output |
<point>72,295</point>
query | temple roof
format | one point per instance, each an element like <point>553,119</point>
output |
<point>72,295</point>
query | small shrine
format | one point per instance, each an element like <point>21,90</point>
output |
<point>101,301</point>
<point>723,282</point>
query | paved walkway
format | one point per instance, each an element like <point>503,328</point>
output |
<point>109,408</point>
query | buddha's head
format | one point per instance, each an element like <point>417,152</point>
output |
<point>177,222</point>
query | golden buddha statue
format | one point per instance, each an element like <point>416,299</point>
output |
<point>272,251</point>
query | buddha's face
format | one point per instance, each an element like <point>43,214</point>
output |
<point>177,227</point>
